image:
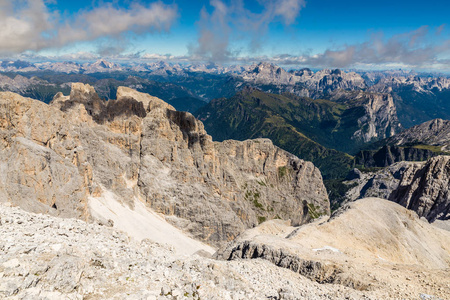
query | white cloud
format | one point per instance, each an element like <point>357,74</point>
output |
<point>288,9</point>
<point>82,55</point>
<point>416,49</point>
<point>155,56</point>
<point>111,21</point>
<point>230,21</point>
<point>30,25</point>
<point>22,26</point>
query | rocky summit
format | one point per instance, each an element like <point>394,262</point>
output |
<point>80,152</point>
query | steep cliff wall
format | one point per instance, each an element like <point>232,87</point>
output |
<point>379,119</point>
<point>57,157</point>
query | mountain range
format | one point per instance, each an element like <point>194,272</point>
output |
<point>153,207</point>
<point>326,116</point>
<point>137,148</point>
<point>309,128</point>
<point>418,97</point>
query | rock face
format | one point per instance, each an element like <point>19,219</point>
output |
<point>419,186</point>
<point>379,119</point>
<point>426,190</point>
<point>56,157</point>
<point>417,143</point>
<point>418,99</point>
<point>266,73</point>
<point>43,164</point>
<point>358,247</point>
<point>44,257</point>
<point>326,81</point>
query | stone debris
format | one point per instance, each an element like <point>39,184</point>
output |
<point>369,245</point>
<point>45,257</point>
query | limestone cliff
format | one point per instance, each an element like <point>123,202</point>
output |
<point>55,158</point>
<point>379,119</point>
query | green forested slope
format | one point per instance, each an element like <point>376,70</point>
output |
<point>305,127</point>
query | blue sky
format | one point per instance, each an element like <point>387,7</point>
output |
<point>314,33</point>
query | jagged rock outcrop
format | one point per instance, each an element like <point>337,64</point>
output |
<point>414,82</point>
<point>327,81</point>
<point>358,247</point>
<point>418,98</point>
<point>20,83</point>
<point>303,82</point>
<point>419,186</point>
<point>426,190</point>
<point>417,143</point>
<point>378,184</point>
<point>43,163</point>
<point>266,73</point>
<point>56,157</point>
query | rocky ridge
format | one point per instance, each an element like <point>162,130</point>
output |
<point>389,155</point>
<point>413,82</point>
<point>420,186</point>
<point>434,132</point>
<point>309,84</point>
<point>140,149</point>
<point>312,84</point>
<point>418,143</point>
<point>20,83</point>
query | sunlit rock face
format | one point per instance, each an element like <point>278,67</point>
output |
<point>56,157</point>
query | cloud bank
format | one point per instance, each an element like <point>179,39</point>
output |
<point>30,25</point>
<point>227,30</point>
<point>414,49</point>
<point>417,49</point>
